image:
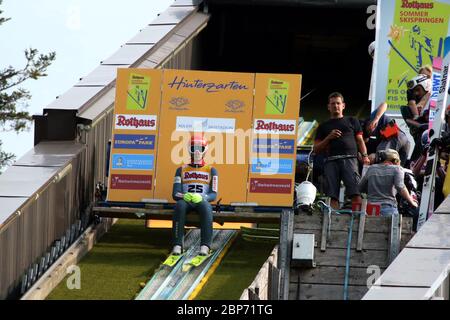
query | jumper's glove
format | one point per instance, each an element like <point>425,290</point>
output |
<point>196,198</point>
<point>187,197</point>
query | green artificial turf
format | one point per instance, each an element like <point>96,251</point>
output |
<point>129,254</point>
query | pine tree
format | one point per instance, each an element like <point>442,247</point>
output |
<point>12,95</point>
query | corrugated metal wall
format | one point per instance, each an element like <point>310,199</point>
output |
<point>42,219</point>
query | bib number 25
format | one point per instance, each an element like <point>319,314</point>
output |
<point>195,188</point>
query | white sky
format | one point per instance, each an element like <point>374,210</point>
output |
<point>81,32</point>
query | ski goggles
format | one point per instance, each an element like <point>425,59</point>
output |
<point>421,80</point>
<point>202,149</point>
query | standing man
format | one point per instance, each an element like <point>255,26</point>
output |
<point>340,138</point>
<point>194,187</point>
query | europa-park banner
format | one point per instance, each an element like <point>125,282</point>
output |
<point>409,35</point>
<point>250,122</point>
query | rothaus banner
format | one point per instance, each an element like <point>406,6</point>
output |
<point>134,135</point>
<point>250,123</point>
<point>272,158</point>
<point>409,35</point>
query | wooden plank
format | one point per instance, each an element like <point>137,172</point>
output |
<point>285,251</point>
<point>274,282</point>
<point>407,225</point>
<point>372,241</point>
<point>252,295</point>
<point>338,240</point>
<point>336,258</point>
<point>404,240</point>
<point>326,292</point>
<point>394,237</point>
<point>324,235</point>
<point>362,223</point>
<point>331,275</point>
<point>341,222</point>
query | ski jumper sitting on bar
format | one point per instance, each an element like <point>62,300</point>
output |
<point>195,185</point>
<point>340,138</point>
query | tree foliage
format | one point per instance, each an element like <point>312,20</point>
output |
<point>12,95</point>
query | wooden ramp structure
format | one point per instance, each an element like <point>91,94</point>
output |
<point>372,249</point>
<point>337,272</point>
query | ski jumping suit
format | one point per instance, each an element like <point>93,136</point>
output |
<point>198,179</point>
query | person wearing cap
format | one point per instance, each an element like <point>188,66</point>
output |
<point>381,132</point>
<point>339,139</point>
<point>416,112</point>
<point>194,187</point>
<point>383,180</point>
<point>419,94</point>
<point>416,106</point>
<point>392,137</point>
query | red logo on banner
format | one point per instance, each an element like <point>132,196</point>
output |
<point>280,126</point>
<point>263,185</point>
<point>417,5</point>
<point>144,122</point>
<point>195,176</point>
<point>131,182</point>
<point>261,124</point>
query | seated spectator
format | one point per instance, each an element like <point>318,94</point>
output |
<point>382,182</point>
<point>415,106</point>
<point>392,137</point>
<point>421,88</point>
<point>380,132</point>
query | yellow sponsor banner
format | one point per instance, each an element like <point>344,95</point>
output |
<point>134,135</point>
<point>250,123</point>
<point>272,161</point>
<point>219,104</point>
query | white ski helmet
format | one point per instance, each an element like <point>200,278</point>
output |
<point>420,80</point>
<point>306,193</point>
<point>371,49</point>
<point>425,139</point>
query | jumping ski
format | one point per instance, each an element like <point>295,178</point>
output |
<point>196,261</point>
<point>173,259</point>
<point>435,132</point>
